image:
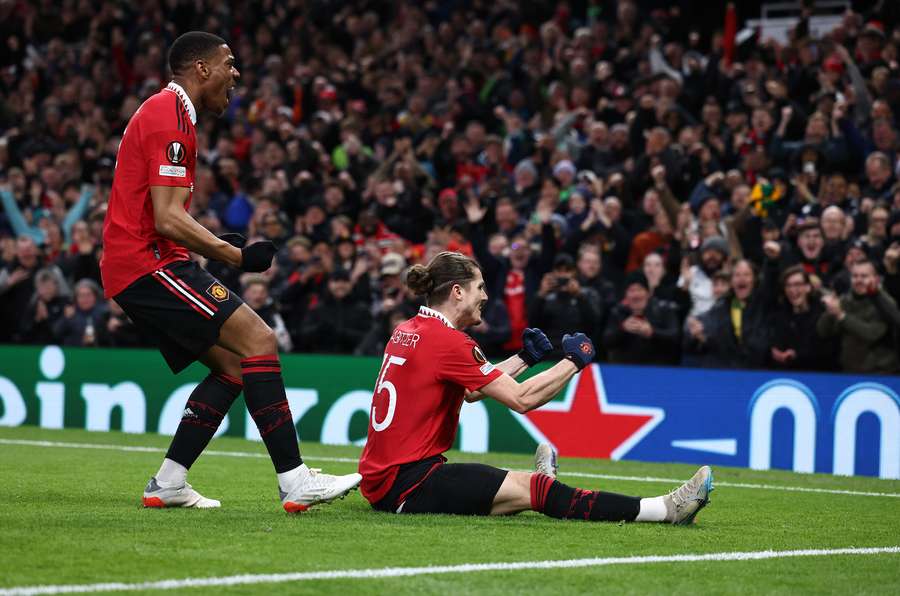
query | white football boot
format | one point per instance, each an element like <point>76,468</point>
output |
<point>312,487</point>
<point>683,503</point>
<point>179,496</point>
<point>545,460</point>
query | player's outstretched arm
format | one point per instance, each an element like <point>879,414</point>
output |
<point>512,366</point>
<point>175,223</point>
<point>535,346</point>
<point>541,388</point>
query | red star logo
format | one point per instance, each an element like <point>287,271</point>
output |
<point>585,424</point>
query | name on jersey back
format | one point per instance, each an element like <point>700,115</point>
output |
<point>405,339</point>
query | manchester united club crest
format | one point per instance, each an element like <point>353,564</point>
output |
<point>175,152</point>
<point>218,292</point>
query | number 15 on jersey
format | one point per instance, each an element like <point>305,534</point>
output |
<point>385,385</point>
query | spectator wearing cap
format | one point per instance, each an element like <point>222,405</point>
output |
<point>810,253</point>
<point>641,329</point>
<point>562,305</point>
<point>735,333</point>
<point>338,323</point>
<point>390,291</point>
<point>866,321</point>
<point>696,280</point>
<point>256,296</point>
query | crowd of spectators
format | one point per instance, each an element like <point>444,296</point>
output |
<point>627,169</point>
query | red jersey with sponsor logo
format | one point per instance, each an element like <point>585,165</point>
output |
<point>159,148</point>
<point>427,367</point>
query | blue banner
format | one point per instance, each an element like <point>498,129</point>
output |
<point>839,424</point>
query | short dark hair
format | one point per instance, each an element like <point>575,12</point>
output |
<point>191,46</point>
<point>866,261</point>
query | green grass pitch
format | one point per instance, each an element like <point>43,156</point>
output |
<point>72,516</point>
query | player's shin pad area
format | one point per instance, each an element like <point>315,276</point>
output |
<point>71,516</point>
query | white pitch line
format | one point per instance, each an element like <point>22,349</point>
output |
<point>653,479</point>
<point>141,449</point>
<point>390,572</point>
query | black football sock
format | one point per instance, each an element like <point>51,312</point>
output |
<point>204,411</point>
<point>552,497</point>
<point>267,404</point>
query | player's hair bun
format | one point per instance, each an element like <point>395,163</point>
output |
<point>419,280</point>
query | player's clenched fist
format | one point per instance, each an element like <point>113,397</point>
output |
<point>237,240</point>
<point>258,256</point>
<point>535,346</point>
<point>579,349</point>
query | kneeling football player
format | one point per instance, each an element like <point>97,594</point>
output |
<point>430,367</point>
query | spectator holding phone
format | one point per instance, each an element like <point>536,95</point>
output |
<point>562,304</point>
<point>641,328</point>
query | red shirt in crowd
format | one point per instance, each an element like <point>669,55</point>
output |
<point>427,367</point>
<point>158,148</point>
<point>514,299</point>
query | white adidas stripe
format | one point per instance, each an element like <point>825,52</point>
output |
<point>351,460</point>
<point>185,293</point>
<point>390,572</point>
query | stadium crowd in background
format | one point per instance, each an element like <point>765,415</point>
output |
<point>637,173</point>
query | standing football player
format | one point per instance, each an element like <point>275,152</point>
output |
<point>192,316</point>
<point>430,367</point>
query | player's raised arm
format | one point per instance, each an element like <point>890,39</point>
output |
<point>541,388</point>
<point>175,223</point>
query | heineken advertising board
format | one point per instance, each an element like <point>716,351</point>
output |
<point>838,424</point>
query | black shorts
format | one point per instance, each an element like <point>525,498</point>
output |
<point>181,307</point>
<point>432,486</point>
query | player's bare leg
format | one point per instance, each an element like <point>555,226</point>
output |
<point>247,336</point>
<point>203,412</point>
<point>521,491</point>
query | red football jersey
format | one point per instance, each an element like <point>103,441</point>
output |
<point>426,369</point>
<point>158,148</point>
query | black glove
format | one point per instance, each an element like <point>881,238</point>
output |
<point>234,239</point>
<point>535,346</point>
<point>258,256</point>
<point>579,349</point>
